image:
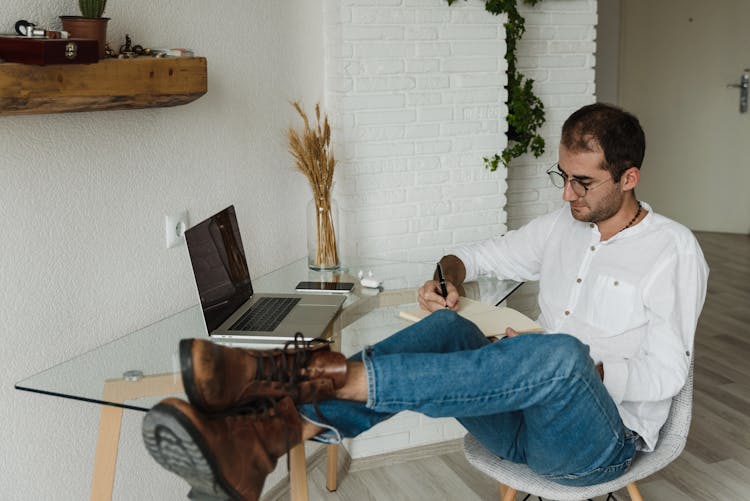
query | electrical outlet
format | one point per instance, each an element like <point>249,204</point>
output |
<point>175,226</point>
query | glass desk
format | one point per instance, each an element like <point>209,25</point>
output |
<point>138,370</point>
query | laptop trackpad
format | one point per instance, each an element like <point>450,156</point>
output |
<point>313,314</point>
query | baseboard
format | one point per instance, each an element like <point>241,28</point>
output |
<point>405,455</point>
<point>347,464</point>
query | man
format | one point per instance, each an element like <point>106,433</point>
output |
<point>624,284</point>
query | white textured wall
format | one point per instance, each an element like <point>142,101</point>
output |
<point>83,198</point>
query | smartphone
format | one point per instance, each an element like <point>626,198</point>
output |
<point>331,287</point>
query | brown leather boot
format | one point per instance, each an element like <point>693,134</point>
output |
<point>217,378</point>
<point>225,457</point>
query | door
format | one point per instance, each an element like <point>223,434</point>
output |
<point>676,59</point>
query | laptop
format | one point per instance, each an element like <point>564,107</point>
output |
<point>231,309</point>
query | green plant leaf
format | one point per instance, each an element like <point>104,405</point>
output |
<point>92,8</point>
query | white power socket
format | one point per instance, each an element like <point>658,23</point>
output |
<point>175,226</point>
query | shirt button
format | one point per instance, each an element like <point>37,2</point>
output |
<point>593,248</point>
<point>578,280</point>
<point>591,225</point>
<point>617,283</point>
<point>567,312</point>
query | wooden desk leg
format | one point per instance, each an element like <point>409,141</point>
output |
<point>298,473</point>
<point>106,453</point>
<point>110,422</point>
<point>332,462</point>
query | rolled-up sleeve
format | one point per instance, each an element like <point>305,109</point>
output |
<point>516,255</point>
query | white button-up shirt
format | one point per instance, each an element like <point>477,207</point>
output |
<point>633,299</point>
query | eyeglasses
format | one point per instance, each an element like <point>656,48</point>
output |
<point>559,179</point>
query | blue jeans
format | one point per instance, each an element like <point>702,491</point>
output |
<point>535,399</point>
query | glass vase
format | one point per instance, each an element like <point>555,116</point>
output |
<point>322,226</point>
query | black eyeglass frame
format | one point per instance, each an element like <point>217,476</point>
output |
<point>556,175</point>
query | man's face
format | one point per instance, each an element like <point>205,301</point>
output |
<point>603,198</point>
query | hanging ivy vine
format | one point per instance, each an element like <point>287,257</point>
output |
<point>525,109</point>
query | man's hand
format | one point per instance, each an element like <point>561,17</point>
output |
<point>430,299</point>
<point>510,332</point>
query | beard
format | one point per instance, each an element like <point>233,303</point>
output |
<point>600,211</point>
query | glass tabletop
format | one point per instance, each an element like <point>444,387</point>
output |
<point>139,369</point>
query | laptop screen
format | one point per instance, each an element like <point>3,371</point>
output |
<point>219,266</point>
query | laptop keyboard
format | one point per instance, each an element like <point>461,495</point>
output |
<point>266,314</point>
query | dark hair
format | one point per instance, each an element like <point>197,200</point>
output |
<point>617,132</point>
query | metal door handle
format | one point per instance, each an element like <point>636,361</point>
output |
<point>743,86</point>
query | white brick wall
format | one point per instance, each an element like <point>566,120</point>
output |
<point>557,50</point>
<point>414,91</point>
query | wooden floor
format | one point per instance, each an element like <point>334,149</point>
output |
<point>716,461</point>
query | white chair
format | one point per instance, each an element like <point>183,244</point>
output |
<point>519,477</point>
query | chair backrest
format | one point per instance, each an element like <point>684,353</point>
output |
<point>681,411</point>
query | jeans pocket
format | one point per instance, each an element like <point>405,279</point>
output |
<point>603,473</point>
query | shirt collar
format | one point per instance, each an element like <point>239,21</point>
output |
<point>633,230</point>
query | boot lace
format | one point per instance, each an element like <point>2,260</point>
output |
<point>274,365</point>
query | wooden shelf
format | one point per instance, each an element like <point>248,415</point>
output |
<point>110,84</point>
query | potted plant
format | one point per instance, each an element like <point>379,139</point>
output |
<point>90,24</point>
<point>311,149</point>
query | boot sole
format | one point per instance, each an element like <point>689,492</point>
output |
<point>176,445</point>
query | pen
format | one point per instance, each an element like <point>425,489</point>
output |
<point>441,279</point>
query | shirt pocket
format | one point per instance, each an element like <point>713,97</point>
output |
<point>616,305</point>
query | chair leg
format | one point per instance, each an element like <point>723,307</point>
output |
<point>332,456</point>
<point>507,493</point>
<point>635,494</point>
<point>298,473</point>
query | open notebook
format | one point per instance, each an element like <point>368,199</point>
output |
<point>491,320</point>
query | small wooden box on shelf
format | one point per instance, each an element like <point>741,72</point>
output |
<point>110,84</point>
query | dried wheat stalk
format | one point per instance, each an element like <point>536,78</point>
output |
<point>313,157</point>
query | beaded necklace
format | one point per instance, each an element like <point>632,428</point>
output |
<point>638,213</point>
